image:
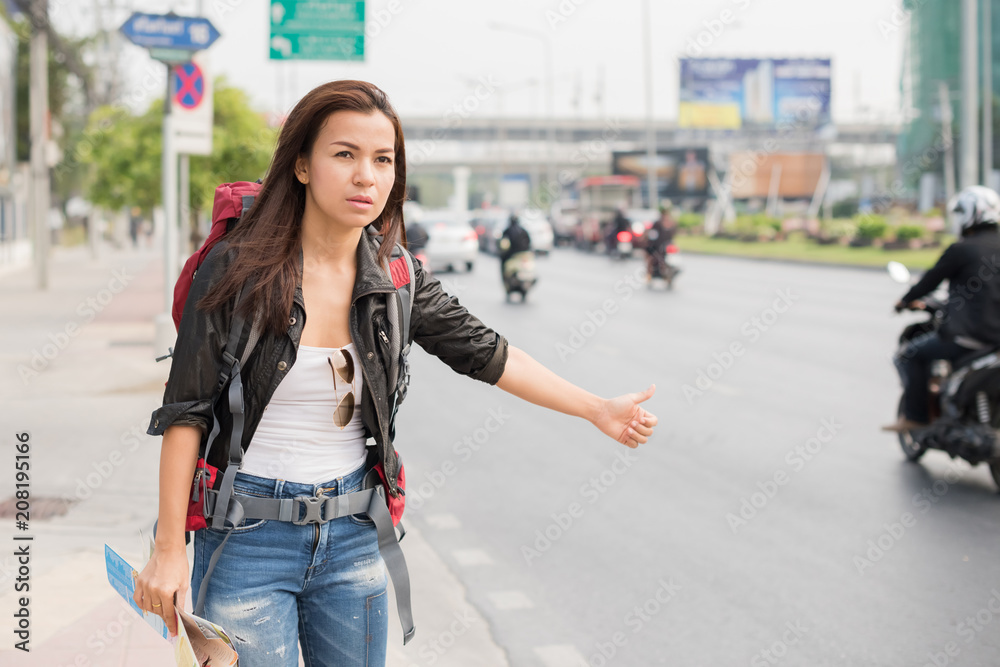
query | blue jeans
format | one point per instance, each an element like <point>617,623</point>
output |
<point>914,366</point>
<point>277,584</point>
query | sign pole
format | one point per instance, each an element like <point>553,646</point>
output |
<point>184,208</point>
<point>185,183</point>
<point>165,331</point>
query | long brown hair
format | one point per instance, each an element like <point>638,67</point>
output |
<point>266,240</point>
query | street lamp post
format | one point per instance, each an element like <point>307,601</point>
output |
<point>970,107</point>
<point>549,92</point>
<point>987,93</point>
<point>654,193</point>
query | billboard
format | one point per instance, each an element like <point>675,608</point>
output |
<point>681,172</point>
<point>729,93</point>
<point>798,174</point>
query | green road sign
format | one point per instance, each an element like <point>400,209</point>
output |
<point>317,30</point>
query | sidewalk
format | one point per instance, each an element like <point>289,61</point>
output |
<point>77,370</point>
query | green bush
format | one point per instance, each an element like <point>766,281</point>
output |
<point>838,228</point>
<point>909,232</point>
<point>845,208</point>
<point>690,221</point>
<point>872,226</point>
<point>765,222</point>
<point>758,225</point>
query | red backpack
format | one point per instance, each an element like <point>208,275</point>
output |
<point>231,200</point>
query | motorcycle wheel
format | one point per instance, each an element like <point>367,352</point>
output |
<point>912,449</point>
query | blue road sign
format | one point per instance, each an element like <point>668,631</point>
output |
<point>170,31</point>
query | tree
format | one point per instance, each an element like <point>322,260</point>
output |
<point>123,153</point>
<point>64,88</point>
<point>242,145</point>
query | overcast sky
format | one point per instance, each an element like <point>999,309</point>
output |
<point>428,54</point>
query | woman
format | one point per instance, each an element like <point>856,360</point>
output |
<point>308,246</point>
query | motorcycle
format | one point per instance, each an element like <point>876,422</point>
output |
<point>663,268</point>
<point>964,397</point>
<point>620,244</point>
<point>519,274</point>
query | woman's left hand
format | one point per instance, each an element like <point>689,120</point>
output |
<point>623,419</point>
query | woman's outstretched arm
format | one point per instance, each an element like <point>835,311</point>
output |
<point>621,418</point>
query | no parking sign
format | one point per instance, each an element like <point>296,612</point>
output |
<point>189,84</point>
<point>191,107</point>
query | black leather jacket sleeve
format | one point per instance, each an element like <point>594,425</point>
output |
<point>197,357</point>
<point>946,268</point>
<point>445,328</point>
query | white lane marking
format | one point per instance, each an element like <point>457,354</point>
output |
<point>444,521</point>
<point>471,557</point>
<point>560,655</point>
<point>509,600</point>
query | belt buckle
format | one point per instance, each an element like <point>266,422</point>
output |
<point>314,510</point>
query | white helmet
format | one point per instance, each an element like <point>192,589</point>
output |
<point>975,205</point>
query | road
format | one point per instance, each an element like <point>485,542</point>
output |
<point>768,522</point>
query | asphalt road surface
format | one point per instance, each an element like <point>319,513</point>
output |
<point>768,521</point>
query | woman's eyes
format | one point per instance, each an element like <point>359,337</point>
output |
<point>384,159</point>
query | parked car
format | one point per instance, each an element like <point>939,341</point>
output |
<point>451,241</point>
<point>539,229</point>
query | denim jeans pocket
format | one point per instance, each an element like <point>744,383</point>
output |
<point>361,520</point>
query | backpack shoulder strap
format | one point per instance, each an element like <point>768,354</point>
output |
<point>405,292</point>
<point>232,373</point>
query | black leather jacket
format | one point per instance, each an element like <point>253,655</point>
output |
<point>970,266</point>
<point>439,324</point>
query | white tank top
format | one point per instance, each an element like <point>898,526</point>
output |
<point>297,439</point>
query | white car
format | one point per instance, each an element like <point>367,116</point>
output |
<point>539,229</point>
<point>451,241</point>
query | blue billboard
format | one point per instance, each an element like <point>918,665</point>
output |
<point>730,93</point>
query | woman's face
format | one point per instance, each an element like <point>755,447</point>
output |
<point>351,169</point>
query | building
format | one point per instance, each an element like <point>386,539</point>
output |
<point>932,54</point>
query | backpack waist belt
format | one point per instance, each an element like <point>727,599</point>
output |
<point>319,509</point>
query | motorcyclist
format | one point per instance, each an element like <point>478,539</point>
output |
<point>618,224</point>
<point>972,317</point>
<point>658,237</point>
<point>515,239</point>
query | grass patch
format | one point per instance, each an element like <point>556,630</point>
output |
<point>807,251</point>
